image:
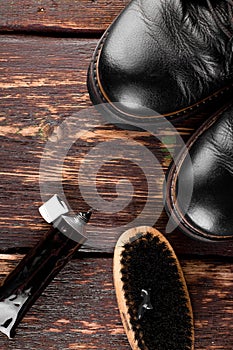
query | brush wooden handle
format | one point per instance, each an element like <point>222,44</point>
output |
<point>32,275</point>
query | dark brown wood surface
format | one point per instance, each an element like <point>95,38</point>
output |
<point>43,84</point>
<point>53,16</point>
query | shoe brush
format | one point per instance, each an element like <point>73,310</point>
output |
<point>151,292</point>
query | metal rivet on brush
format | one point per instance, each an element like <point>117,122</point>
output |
<point>146,303</point>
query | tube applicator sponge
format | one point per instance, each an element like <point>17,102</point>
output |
<point>151,292</point>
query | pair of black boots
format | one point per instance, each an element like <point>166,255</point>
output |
<point>174,59</point>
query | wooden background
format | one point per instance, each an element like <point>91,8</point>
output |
<point>45,50</point>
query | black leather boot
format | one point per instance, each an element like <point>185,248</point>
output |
<point>169,56</point>
<point>199,196</point>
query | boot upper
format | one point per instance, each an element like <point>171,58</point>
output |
<point>165,55</point>
<point>209,180</point>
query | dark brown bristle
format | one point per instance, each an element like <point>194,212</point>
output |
<point>151,265</point>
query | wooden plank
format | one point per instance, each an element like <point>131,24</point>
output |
<point>79,309</point>
<point>42,81</point>
<point>42,84</point>
<point>53,17</point>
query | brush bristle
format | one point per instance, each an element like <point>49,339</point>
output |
<point>148,263</point>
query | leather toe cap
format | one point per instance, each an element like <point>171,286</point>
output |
<point>153,57</point>
<point>209,209</point>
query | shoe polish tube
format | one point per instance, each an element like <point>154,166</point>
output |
<point>27,281</point>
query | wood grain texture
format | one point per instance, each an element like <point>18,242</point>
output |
<point>79,308</point>
<point>59,17</point>
<point>42,84</point>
